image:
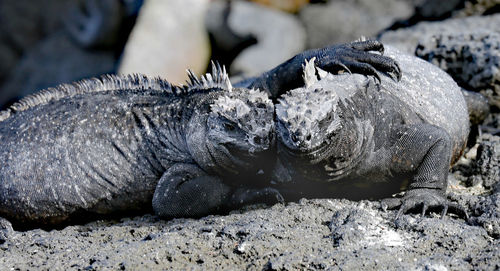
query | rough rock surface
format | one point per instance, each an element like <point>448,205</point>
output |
<point>431,10</point>
<point>347,20</point>
<point>165,41</point>
<point>473,59</point>
<point>406,39</point>
<point>311,234</point>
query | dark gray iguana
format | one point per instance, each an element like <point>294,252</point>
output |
<point>347,136</point>
<point>107,145</point>
<point>116,144</point>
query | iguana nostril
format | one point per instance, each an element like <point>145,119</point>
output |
<point>294,138</point>
<point>257,140</point>
<point>308,137</point>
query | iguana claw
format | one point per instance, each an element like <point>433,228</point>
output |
<point>425,199</point>
<point>355,57</point>
<point>368,45</point>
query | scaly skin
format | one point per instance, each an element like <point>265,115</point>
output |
<point>349,136</point>
<point>119,143</point>
<point>106,146</point>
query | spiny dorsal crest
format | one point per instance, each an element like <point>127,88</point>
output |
<point>92,85</point>
<point>303,108</point>
<point>218,79</point>
<point>252,110</point>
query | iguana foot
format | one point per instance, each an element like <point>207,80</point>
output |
<point>268,195</point>
<point>186,191</point>
<point>354,57</point>
<point>6,230</point>
<point>424,199</point>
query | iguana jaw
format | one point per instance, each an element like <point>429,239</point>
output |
<point>337,155</point>
<point>312,155</point>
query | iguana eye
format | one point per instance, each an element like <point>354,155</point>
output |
<point>228,127</point>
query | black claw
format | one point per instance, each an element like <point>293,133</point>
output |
<point>425,199</point>
<point>398,71</point>
<point>399,213</point>
<point>383,64</point>
<point>390,203</point>
<point>402,210</point>
<point>364,68</point>
<point>457,209</point>
<point>424,208</point>
<point>368,45</point>
<point>444,211</point>
<point>344,67</point>
<point>280,198</point>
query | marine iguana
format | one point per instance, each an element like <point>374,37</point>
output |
<point>347,136</point>
<point>115,144</point>
<point>107,145</point>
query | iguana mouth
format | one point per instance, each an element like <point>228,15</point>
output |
<point>318,163</point>
<point>228,162</point>
<point>312,155</point>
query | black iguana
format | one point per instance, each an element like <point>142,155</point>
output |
<point>107,145</point>
<point>348,136</point>
<point>116,144</point>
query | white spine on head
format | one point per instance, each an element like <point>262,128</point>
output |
<point>310,73</point>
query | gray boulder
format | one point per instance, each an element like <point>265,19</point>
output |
<point>168,37</point>
<point>347,20</point>
<point>279,35</point>
<point>406,39</point>
<point>472,59</point>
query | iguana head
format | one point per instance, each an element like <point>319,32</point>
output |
<point>234,129</point>
<point>241,124</point>
<point>307,120</point>
<point>308,117</point>
<point>316,132</point>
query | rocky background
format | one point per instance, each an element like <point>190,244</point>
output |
<point>44,43</point>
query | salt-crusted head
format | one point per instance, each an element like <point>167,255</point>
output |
<point>234,128</point>
<point>242,120</point>
<point>307,117</point>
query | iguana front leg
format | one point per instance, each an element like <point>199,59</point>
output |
<point>423,152</point>
<point>350,57</point>
<point>185,190</point>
